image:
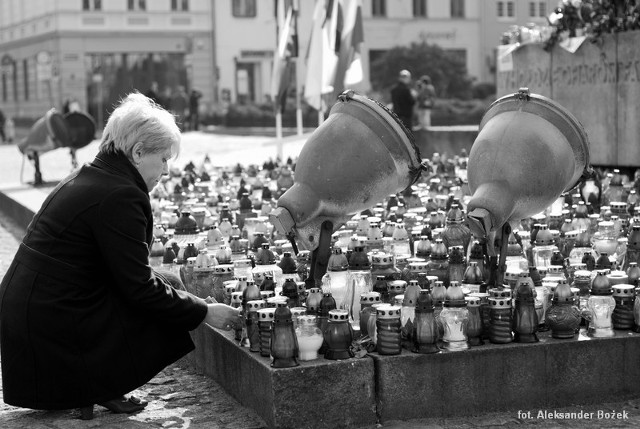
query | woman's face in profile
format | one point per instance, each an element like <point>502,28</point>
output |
<point>153,166</point>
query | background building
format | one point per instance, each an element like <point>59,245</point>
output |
<point>94,51</point>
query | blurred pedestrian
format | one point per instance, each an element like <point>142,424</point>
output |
<point>403,99</point>
<point>194,109</point>
<point>180,107</point>
<point>10,129</point>
<point>84,319</point>
<point>3,120</point>
<point>426,97</point>
<point>153,93</point>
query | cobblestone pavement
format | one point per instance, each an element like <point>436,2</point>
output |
<point>180,398</point>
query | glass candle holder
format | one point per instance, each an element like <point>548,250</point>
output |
<point>485,312</point>
<point>338,335</point>
<point>636,311</point>
<point>474,326</point>
<point>525,324</point>
<point>313,301</point>
<point>454,318</point>
<point>284,343</point>
<point>309,337</point>
<point>265,322</point>
<point>367,300</point>
<point>622,316</point>
<point>388,330</point>
<point>563,317</point>
<point>600,306</point>
<point>501,320</point>
<point>425,328</point>
<point>252,319</point>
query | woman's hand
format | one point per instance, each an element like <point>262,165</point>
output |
<point>222,316</point>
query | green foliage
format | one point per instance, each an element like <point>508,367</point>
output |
<point>459,112</point>
<point>259,115</point>
<point>447,70</point>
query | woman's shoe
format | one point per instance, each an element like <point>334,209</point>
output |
<point>125,405</point>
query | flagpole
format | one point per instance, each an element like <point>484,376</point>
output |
<point>298,99</point>
<point>279,135</point>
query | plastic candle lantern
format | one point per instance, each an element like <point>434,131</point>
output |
<point>309,337</point>
<point>284,344</point>
<point>338,335</point>
<point>454,318</point>
<point>600,307</point>
<point>425,328</point>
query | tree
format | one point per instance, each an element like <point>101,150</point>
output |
<point>447,70</point>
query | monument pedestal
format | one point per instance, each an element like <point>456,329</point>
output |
<point>359,392</point>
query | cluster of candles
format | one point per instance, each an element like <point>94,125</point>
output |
<point>406,274</point>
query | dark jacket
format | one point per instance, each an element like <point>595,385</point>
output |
<point>402,100</point>
<point>83,318</point>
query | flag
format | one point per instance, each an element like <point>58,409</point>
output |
<point>322,56</point>
<point>350,58</point>
<point>334,55</point>
<point>283,64</point>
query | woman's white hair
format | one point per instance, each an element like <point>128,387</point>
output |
<point>140,119</point>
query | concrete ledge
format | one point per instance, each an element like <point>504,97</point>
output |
<point>492,377</point>
<point>22,201</point>
<point>447,141</point>
<point>317,394</point>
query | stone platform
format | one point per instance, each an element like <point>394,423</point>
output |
<point>317,394</point>
<point>355,392</point>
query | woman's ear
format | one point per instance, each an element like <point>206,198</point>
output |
<point>136,152</point>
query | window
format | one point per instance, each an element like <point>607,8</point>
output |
<point>137,4</point>
<point>379,8</point>
<point>506,9</point>
<point>533,9</point>
<point>91,4</point>
<point>457,8</point>
<point>244,8</point>
<point>420,8</point>
<point>542,9</point>
<point>180,5</point>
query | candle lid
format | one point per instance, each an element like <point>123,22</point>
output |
<point>499,302</point>
<point>338,315</point>
<point>369,297</point>
<point>242,263</point>
<point>396,285</point>
<point>223,269</point>
<point>307,320</point>
<point>298,311</point>
<point>500,293</point>
<point>472,301</point>
<point>388,312</point>
<point>623,290</point>
<point>236,297</point>
<point>256,304</point>
<point>265,294</point>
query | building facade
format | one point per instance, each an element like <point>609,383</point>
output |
<point>95,51</point>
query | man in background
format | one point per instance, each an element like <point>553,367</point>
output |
<point>194,107</point>
<point>403,99</point>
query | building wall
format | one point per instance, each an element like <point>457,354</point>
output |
<point>69,34</point>
<point>225,56</point>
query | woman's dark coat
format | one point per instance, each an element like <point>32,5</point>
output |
<point>83,318</point>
